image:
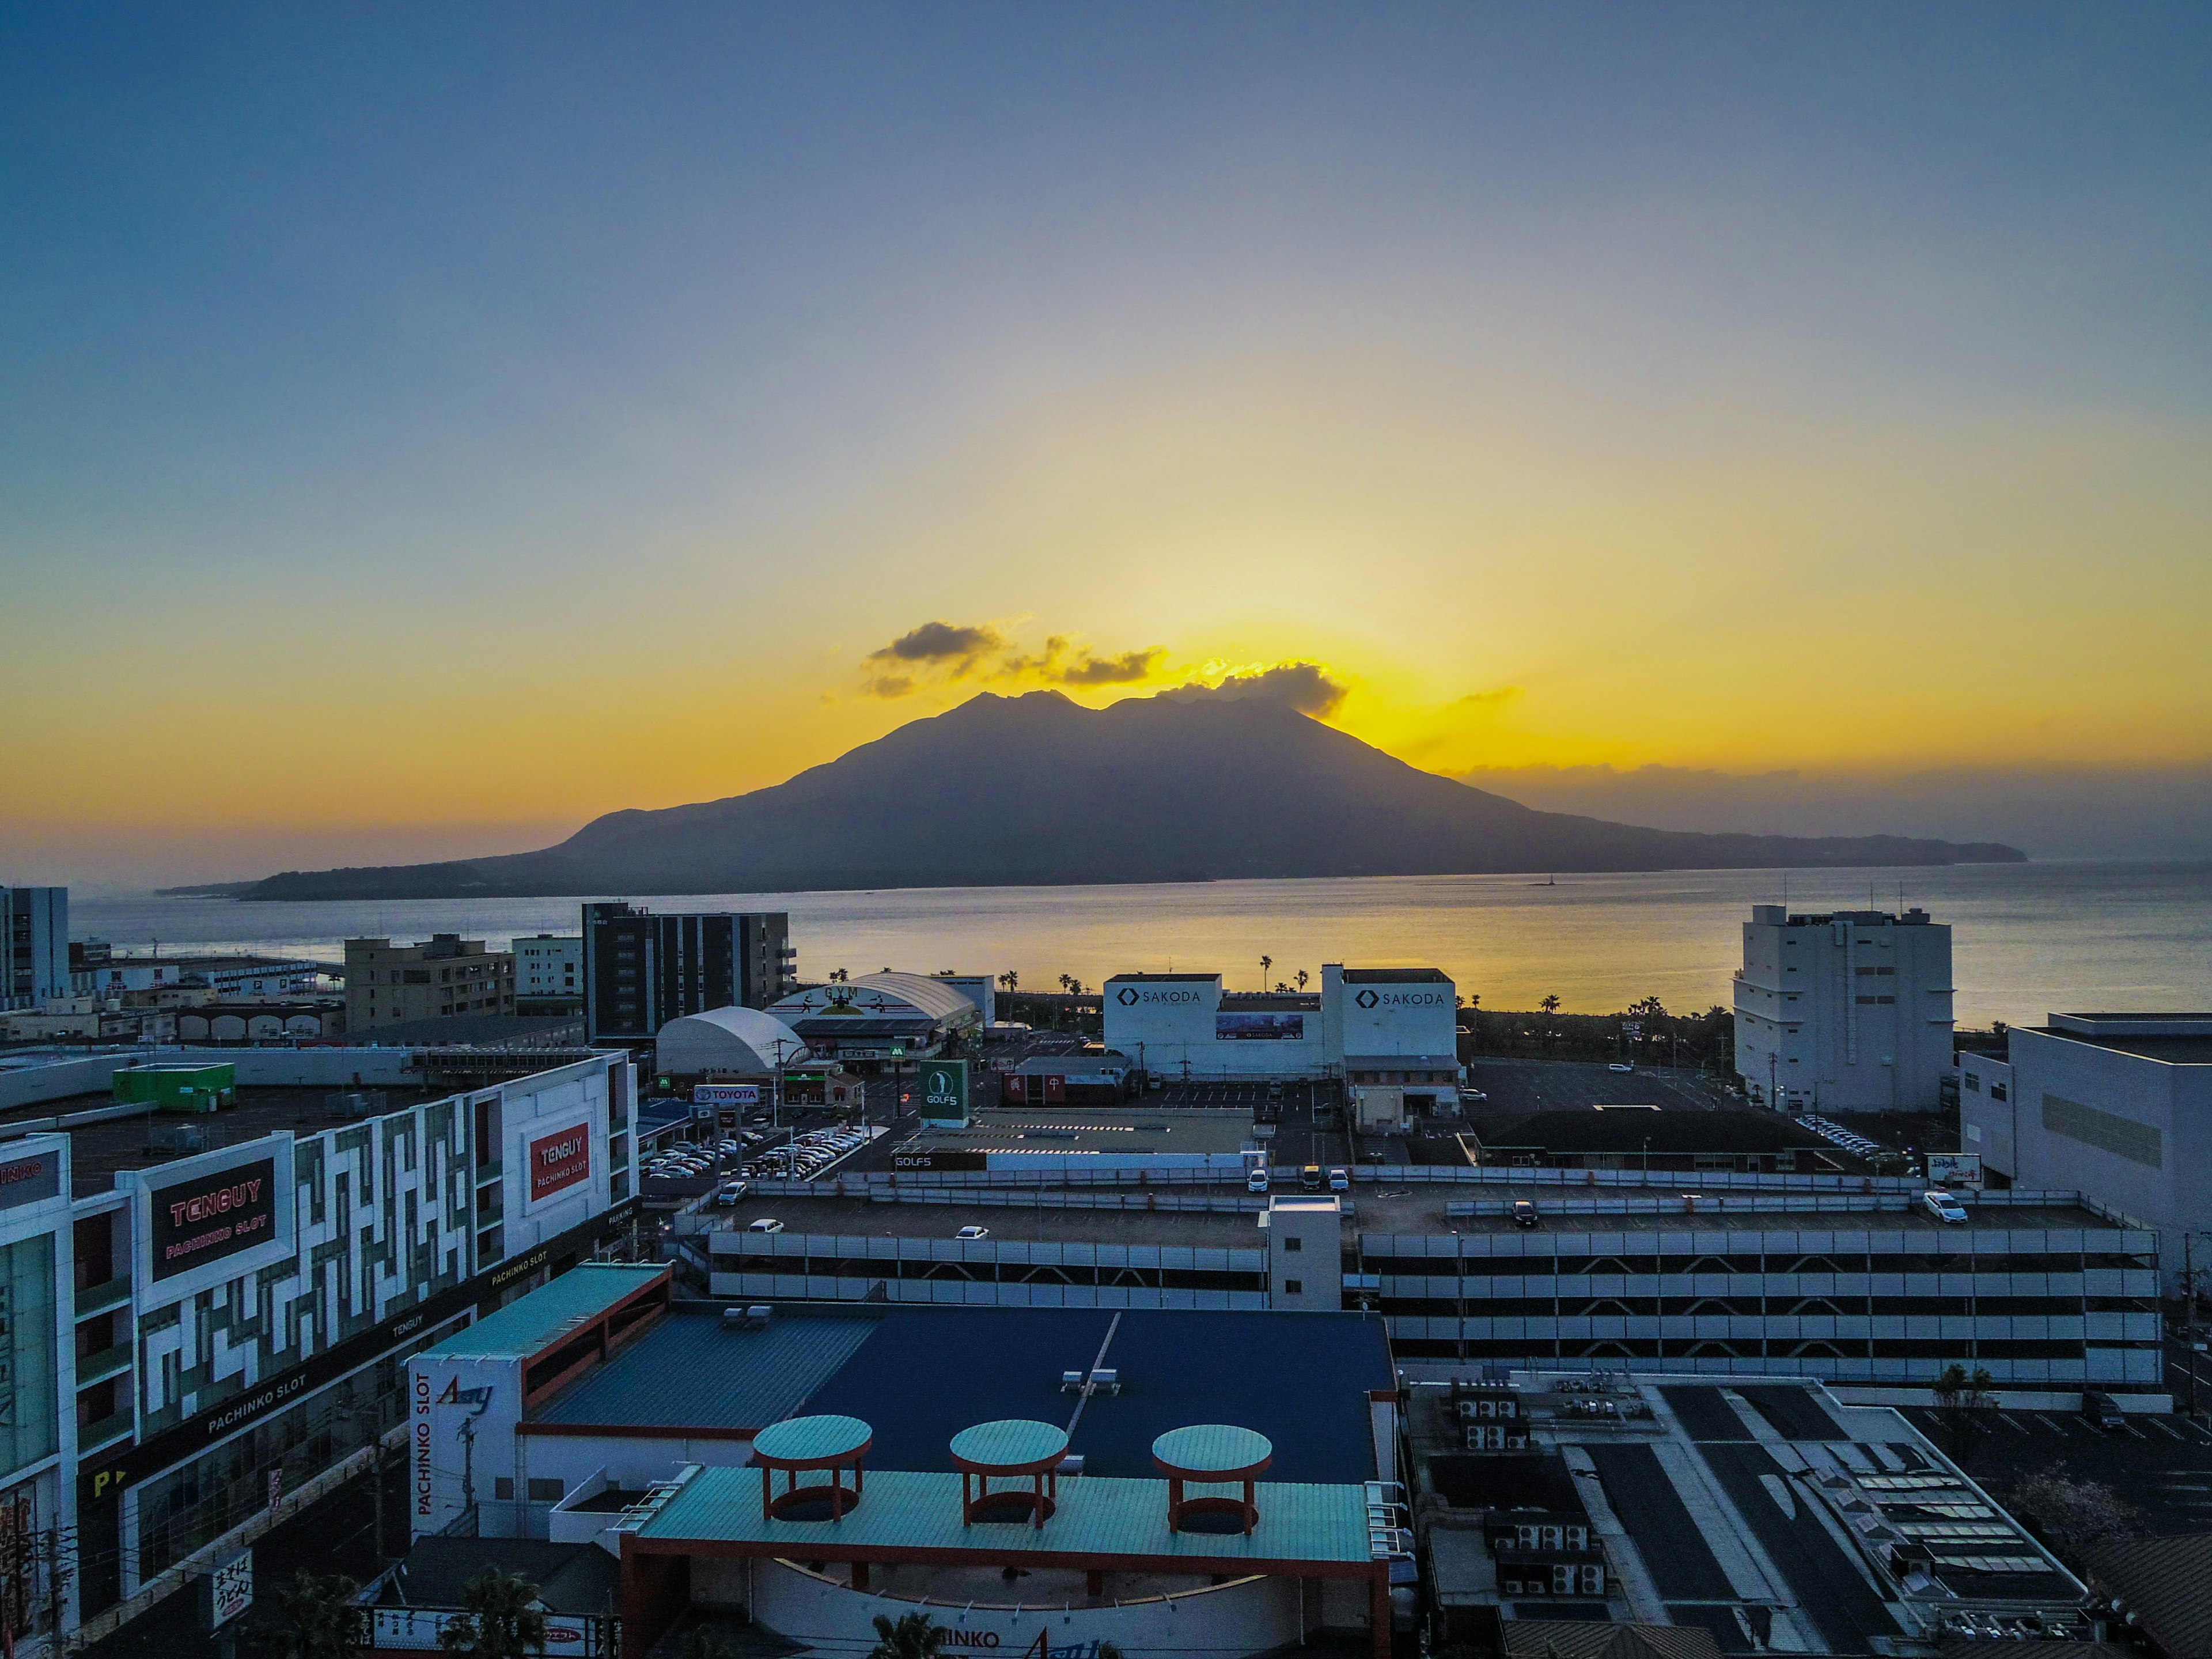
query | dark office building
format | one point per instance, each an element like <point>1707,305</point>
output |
<point>641,971</point>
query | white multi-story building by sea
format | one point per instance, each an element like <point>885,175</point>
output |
<point>550,965</point>
<point>1845,1010</point>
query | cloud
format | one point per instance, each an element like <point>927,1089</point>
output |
<point>1308,687</point>
<point>937,642</point>
<point>1486,702</point>
<point>1064,663</point>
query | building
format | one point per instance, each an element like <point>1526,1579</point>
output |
<point>1367,1025</point>
<point>1847,1278</point>
<point>726,1042</point>
<point>2117,1104</point>
<point>1080,1144</point>
<point>1060,1079</point>
<point>1162,1480</point>
<point>1845,1011</point>
<point>643,970</point>
<point>1654,1516</point>
<point>33,945</point>
<point>218,1269</point>
<point>96,970</point>
<point>879,1017</point>
<point>389,984</point>
<point>549,968</point>
<point>1645,1138</point>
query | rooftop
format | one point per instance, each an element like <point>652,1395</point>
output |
<point>527,1327</point>
<point>474,1031</point>
<point>1618,1129</point>
<point>1395,976</point>
<point>101,1144</point>
<point>2174,1039</point>
<point>1094,1129</point>
<point>695,1369</point>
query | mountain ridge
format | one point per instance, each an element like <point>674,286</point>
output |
<point>1038,790</point>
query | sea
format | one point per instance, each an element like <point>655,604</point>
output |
<point>2027,939</point>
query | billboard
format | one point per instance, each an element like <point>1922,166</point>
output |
<point>1245,1028</point>
<point>28,1180</point>
<point>206,1217</point>
<point>946,1160</point>
<point>945,1091</point>
<point>1955,1169</point>
<point>727,1094</point>
<point>560,1160</point>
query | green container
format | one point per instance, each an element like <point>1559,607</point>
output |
<point>178,1088</point>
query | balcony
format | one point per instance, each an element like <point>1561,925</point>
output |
<point>107,1362</point>
<point>99,1298</point>
<point>92,1436</point>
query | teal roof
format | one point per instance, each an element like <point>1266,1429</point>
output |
<point>1010,1443</point>
<point>808,1440</point>
<point>1206,1446</point>
<point>1096,1515</point>
<point>695,1369</point>
<point>548,1313</point>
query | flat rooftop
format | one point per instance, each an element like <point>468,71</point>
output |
<point>2174,1039</point>
<point>100,1148</point>
<point>529,1325</point>
<point>1089,1129</point>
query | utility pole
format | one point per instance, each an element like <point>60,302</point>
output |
<point>2189,1314</point>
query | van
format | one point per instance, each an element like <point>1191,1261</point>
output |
<point>1310,1178</point>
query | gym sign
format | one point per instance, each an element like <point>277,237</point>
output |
<point>1370,998</point>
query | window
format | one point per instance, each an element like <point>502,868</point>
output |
<point>546,1491</point>
<point>1974,1083</point>
<point>502,1489</point>
<point>1294,1287</point>
<point>1294,1243</point>
<point>1997,1091</point>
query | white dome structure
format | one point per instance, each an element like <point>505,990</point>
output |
<point>743,1039</point>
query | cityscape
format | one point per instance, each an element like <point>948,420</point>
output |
<point>1106,832</point>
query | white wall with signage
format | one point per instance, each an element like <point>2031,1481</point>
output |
<point>1177,1026</point>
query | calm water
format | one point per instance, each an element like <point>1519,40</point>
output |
<point>2027,939</point>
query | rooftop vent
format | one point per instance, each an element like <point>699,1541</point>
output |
<point>754,1318</point>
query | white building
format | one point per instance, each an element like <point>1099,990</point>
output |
<point>877,1016</point>
<point>741,1042</point>
<point>2118,1105</point>
<point>1380,1025</point>
<point>550,965</point>
<point>1846,1010</point>
<point>33,945</point>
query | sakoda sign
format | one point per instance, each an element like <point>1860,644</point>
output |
<point>560,1160</point>
<point>1130,995</point>
<point>1374,999</point>
<point>212,1215</point>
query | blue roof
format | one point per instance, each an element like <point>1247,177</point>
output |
<point>692,1371</point>
<point>1300,1379</point>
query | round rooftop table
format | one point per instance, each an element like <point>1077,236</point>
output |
<point>1011,1446</point>
<point>811,1443</point>
<point>1210,1453</point>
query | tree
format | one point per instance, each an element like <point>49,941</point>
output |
<point>1301,977</point>
<point>1266,966</point>
<point>1550,1004</point>
<point>1009,978</point>
<point>323,1617</point>
<point>839,976</point>
<point>1649,1008</point>
<point>1963,1402</point>
<point>501,1621</point>
<point>2076,1517</point>
<point>913,1637</point>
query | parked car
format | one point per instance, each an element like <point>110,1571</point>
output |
<point>1256,1181</point>
<point>767,1224</point>
<point>1339,1181</point>
<point>1310,1178</point>
<point>1524,1213</point>
<point>973,1233</point>
<point>1944,1207</point>
<point>2102,1410</point>
<point>1620,1066</point>
<point>1471,1096</point>
<point>730,1194</point>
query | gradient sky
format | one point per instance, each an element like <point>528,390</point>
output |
<point>424,427</point>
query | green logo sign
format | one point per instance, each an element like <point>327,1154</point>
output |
<point>944,1089</point>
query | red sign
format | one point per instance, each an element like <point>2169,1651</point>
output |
<point>560,1160</point>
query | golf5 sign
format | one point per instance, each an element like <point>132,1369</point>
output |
<point>945,1091</point>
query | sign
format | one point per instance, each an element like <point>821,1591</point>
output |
<point>945,1160</point>
<point>28,1180</point>
<point>727,1094</point>
<point>1237,1028</point>
<point>275,1492</point>
<point>945,1091</point>
<point>1955,1169</point>
<point>213,1216</point>
<point>418,1630</point>
<point>560,1160</point>
<point>1374,999</point>
<point>230,1589</point>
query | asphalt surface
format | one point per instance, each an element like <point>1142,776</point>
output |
<point>2160,1465</point>
<point>1518,1087</point>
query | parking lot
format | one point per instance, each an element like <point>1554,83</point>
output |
<point>2160,1465</point>
<point>1518,1087</point>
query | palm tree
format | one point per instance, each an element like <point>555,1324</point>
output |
<point>502,1620</point>
<point>1301,979</point>
<point>323,1617</point>
<point>1009,978</point>
<point>913,1637</point>
<point>1267,963</point>
<point>1550,1004</point>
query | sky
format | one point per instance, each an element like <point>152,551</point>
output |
<point>423,428</point>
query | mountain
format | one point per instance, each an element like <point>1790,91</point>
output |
<point>1038,790</point>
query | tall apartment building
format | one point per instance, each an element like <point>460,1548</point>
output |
<point>549,968</point>
<point>641,971</point>
<point>1847,1010</point>
<point>33,945</point>
<point>388,983</point>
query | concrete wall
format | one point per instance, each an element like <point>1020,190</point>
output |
<point>1852,1013</point>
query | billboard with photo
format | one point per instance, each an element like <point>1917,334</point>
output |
<point>1244,1027</point>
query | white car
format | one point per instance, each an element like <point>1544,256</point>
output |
<point>1944,1207</point>
<point>1256,1181</point>
<point>767,1224</point>
<point>973,1233</point>
<point>1620,1066</point>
